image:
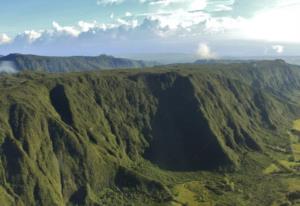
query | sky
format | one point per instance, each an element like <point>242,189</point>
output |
<point>206,28</point>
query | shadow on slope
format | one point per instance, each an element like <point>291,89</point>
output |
<point>182,139</point>
<point>61,103</point>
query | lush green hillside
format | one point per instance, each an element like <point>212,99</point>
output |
<point>67,64</point>
<point>178,135</point>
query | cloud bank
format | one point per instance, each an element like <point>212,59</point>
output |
<point>168,26</point>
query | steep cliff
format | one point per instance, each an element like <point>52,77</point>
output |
<point>76,138</point>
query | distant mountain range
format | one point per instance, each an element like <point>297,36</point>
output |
<point>171,58</point>
<point>22,62</point>
<point>221,61</point>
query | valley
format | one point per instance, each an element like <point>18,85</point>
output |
<point>184,134</point>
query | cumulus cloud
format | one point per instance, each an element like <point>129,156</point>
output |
<point>88,38</point>
<point>32,35</point>
<point>68,30</point>
<point>4,39</point>
<point>86,26</point>
<point>278,48</point>
<point>204,52</point>
<point>7,67</point>
<point>129,33</point>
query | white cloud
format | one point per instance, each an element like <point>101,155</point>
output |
<point>194,16</point>
<point>224,24</point>
<point>222,7</point>
<point>178,4</point>
<point>130,24</point>
<point>128,14</point>
<point>4,39</point>
<point>32,35</point>
<point>69,30</point>
<point>108,2</point>
<point>277,24</point>
<point>278,48</point>
<point>204,52</point>
<point>197,4</point>
<point>89,38</point>
<point>86,26</point>
<point>180,19</point>
<point>177,26</point>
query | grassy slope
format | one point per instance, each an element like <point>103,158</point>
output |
<point>177,135</point>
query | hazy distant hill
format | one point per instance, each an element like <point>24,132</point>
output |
<point>75,63</point>
<point>163,58</point>
<point>172,58</point>
<point>220,61</point>
<point>233,60</point>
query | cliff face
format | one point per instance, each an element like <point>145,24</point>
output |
<point>67,138</point>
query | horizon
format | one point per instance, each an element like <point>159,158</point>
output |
<point>171,58</point>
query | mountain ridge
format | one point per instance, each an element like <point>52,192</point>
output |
<point>23,62</point>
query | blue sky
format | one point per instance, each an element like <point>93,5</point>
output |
<point>207,28</point>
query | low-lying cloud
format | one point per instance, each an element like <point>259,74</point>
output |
<point>7,67</point>
<point>204,52</point>
<point>278,48</point>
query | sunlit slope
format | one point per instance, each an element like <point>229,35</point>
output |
<point>83,138</point>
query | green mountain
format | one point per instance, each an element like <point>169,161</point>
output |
<point>174,135</point>
<point>67,64</point>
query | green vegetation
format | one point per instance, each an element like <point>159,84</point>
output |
<point>174,135</point>
<point>295,140</point>
<point>296,125</point>
<point>191,193</point>
<point>296,151</point>
<point>68,64</point>
<point>271,169</point>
